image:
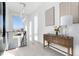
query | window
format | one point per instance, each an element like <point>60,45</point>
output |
<point>1,23</point>
<point>17,23</point>
<point>30,30</point>
<point>33,29</point>
<point>36,28</point>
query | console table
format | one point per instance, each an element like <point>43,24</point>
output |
<point>65,41</point>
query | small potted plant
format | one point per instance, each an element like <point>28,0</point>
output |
<point>57,29</point>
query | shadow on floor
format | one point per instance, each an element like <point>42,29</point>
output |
<point>1,52</point>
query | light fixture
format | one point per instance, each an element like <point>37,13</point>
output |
<point>66,21</point>
<point>22,12</point>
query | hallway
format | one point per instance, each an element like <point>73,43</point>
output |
<point>33,49</point>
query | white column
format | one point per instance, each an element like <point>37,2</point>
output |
<point>9,27</point>
<point>26,27</point>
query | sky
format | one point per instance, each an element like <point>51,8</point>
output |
<point>1,22</point>
<point>17,22</point>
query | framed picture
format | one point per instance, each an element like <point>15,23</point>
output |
<point>70,8</point>
<point>50,17</point>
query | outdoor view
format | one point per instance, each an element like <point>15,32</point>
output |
<point>1,22</point>
<point>17,24</point>
<point>1,28</point>
<point>1,25</point>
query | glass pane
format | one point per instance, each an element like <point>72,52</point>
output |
<point>2,26</point>
<point>35,24</point>
<point>17,23</point>
<point>36,28</point>
<point>1,20</point>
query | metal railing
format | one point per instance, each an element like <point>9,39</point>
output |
<point>24,40</point>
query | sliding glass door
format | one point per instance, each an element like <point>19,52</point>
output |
<point>2,26</point>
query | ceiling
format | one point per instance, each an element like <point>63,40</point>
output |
<point>30,7</point>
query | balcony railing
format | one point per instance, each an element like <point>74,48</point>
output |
<point>23,41</point>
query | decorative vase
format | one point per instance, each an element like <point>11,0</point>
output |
<point>56,32</point>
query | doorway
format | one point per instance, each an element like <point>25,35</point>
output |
<point>33,29</point>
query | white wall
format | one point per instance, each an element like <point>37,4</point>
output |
<point>42,29</point>
<point>74,31</point>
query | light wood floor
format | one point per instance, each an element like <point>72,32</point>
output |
<point>33,49</point>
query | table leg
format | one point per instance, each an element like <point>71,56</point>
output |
<point>48,44</point>
<point>72,51</point>
<point>44,43</point>
<point>68,51</point>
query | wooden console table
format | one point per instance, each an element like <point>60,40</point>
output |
<point>65,41</point>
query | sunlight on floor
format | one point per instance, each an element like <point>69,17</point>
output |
<point>7,54</point>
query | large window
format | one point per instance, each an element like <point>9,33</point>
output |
<point>33,29</point>
<point>1,20</point>
<point>17,23</point>
<point>36,28</point>
<point>2,25</point>
<point>30,30</point>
